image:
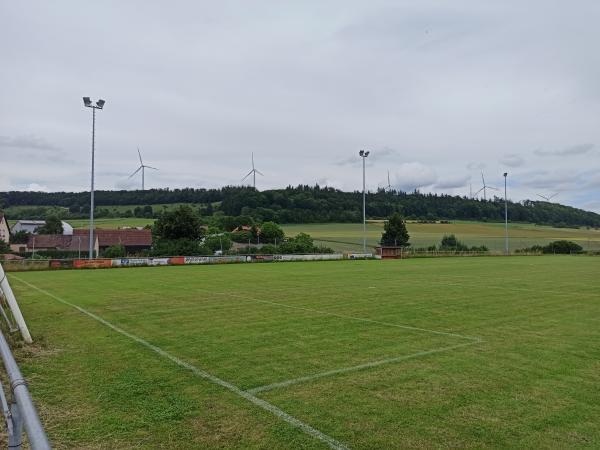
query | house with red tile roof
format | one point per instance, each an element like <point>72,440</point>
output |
<point>134,240</point>
<point>45,242</point>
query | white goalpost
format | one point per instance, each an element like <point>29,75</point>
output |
<point>8,294</point>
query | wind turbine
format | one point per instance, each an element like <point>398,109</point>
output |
<point>547,197</point>
<point>142,167</point>
<point>485,187</point>
<point>253,172</point>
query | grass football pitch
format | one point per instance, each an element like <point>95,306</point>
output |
<point>487,352</point>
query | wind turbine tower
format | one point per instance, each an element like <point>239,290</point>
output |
<point>143,168</point>
<point>485,187</point>
<point>389,185</point>
<point>253,172</point>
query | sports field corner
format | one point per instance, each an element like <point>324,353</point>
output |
<point>425,353</point>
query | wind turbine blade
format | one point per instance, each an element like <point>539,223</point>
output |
<point>478,192</point>
<point>140,155</point>
<point>482,179</point>
<point>542,196</point>
<point>252,160</point>
<point>139,168</point>
<point>552,196</point>
<point>259,172</point>
<point>249,173</point>
<point>150,167</point>
<point>491,187</point>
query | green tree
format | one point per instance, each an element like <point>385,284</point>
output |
<point>178,247</point>
<point>20,237</point>
<point>395,232</point>
<point>270,232</point>
<point>115,251</point>
<point>218,242</point>
<point>4,247</point>
<point>53,225</point>
<point>179,223</point>
<point>450,242</point>
<point>147,211</point>
<point>564,247</point>
<point>302,243</point>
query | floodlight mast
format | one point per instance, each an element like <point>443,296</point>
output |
<point>99,105</point>
<point>364,154</point>
<point>505,217</point>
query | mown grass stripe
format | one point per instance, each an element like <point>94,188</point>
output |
<point>344,316</point>
<point>343,370</point>
<point>331,442</point>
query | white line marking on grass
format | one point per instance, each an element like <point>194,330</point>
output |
<point>331,442</point>
<point>344,370</point>
<point>344,316</point>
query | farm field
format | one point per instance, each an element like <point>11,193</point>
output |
<point>486,352</point>
<point>348,236</point>
<point>111,223</point>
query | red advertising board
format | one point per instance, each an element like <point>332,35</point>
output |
<point>92,263</point>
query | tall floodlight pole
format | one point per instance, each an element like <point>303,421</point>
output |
<point>99,105</point>
<point>505,217</point>
<point>363,154</point>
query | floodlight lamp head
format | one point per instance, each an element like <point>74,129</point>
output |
<point>505,174</point>
<point>367,154</point>
<point>361,153</point>
<point>100,103</point>
<point>87,101</point>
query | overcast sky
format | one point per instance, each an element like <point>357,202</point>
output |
<point>436,90</point>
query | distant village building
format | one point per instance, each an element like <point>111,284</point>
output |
<point>4,230</point>
<point>67,228</point>
<point>45,242</point>
<point>31,226</point>
<point>242,228</point>
<point>133,240</point>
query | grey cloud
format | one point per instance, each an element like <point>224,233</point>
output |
<point>562,180</point>
<point>413,175</point>
<point>29,141</point>
<point>452,183</point>
<point>304,87</point>
<point>32,147</point>
<point>385,154</point>
<point>512,160</point>
<point>580,149</point>
<point>475,166</point>
<point>348,161</point>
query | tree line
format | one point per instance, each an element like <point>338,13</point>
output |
<point>300,204</point>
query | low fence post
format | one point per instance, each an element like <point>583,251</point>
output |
<point>14,306</point>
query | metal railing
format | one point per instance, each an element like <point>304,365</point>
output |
<point>21,411</point>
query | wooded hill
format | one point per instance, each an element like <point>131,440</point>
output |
<point>310,204</point>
